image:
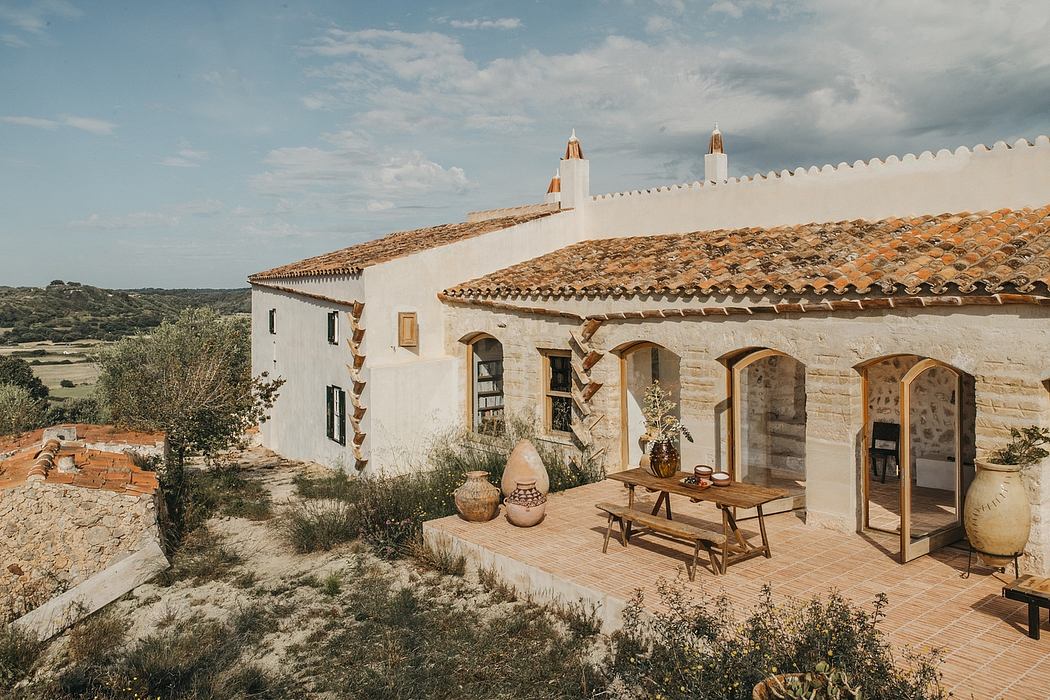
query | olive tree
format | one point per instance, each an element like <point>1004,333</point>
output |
<point>15,370</point>
<point>19,410</point>
<point>190,379</point>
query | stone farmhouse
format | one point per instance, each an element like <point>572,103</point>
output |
<point>788,313</point>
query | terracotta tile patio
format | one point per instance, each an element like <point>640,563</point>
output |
<point>989,654</point>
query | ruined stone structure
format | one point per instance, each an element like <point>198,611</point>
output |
<point>69,511</point>
<point>789,311</point>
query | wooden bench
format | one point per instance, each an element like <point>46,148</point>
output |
<point>681,531</point>
<point>1032,590</point>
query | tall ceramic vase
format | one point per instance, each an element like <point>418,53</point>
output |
<point>477,500</point>
<point>663,459</point>
<point>996,515</point>
<point>524,463</point>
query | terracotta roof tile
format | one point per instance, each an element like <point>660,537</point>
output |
<point>990,252</point>
<point>350,261</point>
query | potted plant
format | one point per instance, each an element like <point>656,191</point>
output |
<point>662,430</point>
<point>824,683</point>
<point>997,516</point>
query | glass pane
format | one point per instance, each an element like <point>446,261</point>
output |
<point>488,386</point>
<point>933,439</point>
<point>561,413</point>
<point>561,379</point>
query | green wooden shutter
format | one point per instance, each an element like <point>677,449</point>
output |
<point>330,412</point>
<point>342,416</point>
<point>332,320</point>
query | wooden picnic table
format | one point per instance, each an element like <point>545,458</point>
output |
<point>736,547</point>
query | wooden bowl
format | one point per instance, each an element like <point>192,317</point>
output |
<point>720,479</point>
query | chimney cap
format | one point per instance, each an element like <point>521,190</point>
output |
<point>573,151</point>
<point>555,184</point>
<point>715,145</point>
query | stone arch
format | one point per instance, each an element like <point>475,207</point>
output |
<point>485,400</point>
<point>642,363</point>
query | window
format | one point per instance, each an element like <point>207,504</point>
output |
<point>486,361</point>
<point>333,328</point>
<point>273,321</point>
<point>557,387</point>
<point>407,329</point>
<point>335,423</point>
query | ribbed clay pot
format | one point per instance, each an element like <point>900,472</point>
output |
<point>997,515</point>
<point>476,499</point>
<point>526,506</point>
<point>663,459</point>
<point>524,463</point>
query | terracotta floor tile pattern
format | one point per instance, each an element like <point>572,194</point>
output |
<point>988,653</point>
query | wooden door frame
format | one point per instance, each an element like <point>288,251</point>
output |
<point>734,448</point>
<point>909,550</point>
<point>623,352</point>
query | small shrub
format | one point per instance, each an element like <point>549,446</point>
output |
<point>500,590</point>
<point>202,557</point>
<point>19,650</point>
<point>314,525</point>
<point>67,383</point>
<point>441,558</point>
<point>697,649</point>
<point>581,618</point>
<point>333,485</point>
<point>332,584</point>
<point>96,639</point>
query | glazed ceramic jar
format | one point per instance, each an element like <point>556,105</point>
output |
<point>663,459</point>
<point>477,500</point>
<point>997,515</point>
<point>526,505</point>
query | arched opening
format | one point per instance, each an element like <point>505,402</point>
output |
<point>485,384</point>
<point>767,426</point>
<point>642,364</point>
<point>919,450</point>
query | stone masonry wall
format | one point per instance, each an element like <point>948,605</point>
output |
<point>53,537</point>
<point>1003,351</point>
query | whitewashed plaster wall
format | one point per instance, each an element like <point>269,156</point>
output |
<point>1008,382</point>
<point>963,180</point>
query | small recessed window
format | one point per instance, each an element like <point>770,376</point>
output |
<point>335,414</point>
<point>333,327</point>
<point>407,329</point>
<point>557,385</point>
<point>273,321</point>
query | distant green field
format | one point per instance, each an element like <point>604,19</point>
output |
<point>80,369</point>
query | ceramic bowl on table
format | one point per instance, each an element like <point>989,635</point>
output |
<point>702,471</point>
<point>720,479</point>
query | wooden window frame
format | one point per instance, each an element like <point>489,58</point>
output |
<point>549,394</point>
<point>335,414</point>
<point>271,317</point>
<point>407,340</point>
<point>333,327</point>
<point>472,385</point>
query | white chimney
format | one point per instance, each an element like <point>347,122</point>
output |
<point>553,190</point>
<point>575,172</point>
<point>716,162</point>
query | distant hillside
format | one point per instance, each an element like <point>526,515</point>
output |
<point>65,311</point>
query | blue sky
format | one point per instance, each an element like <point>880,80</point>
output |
<point>190,144</point>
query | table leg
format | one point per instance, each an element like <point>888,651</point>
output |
<point>762,529</point>
<point>667,504</point>
<point>744,544</point>
<point>659,502</point>
<point>630,504</point>
<point>1033,620</point>
<point>725,539</point>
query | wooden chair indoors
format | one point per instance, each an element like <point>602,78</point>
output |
<point>885,445</point>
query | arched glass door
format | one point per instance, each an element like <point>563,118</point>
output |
<point>931,484</point>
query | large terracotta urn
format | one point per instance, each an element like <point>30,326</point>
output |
<point>663,459</point>
<point>477,500</point>
<point>523,464</point>
<point>526,506</point>
<point>996,515</point>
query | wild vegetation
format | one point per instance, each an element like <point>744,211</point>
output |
<point>388,512</point>
<point>66,311</point>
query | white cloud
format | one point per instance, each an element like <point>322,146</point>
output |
<point>658,25</point>
<point>166,217</point>
<point>93,126</point>
<point>352,168</point>
<point>185,158</point>
<point>502,23</point>
<point>33,19</point>
<point>823,80</point>
<point>377,205</point>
